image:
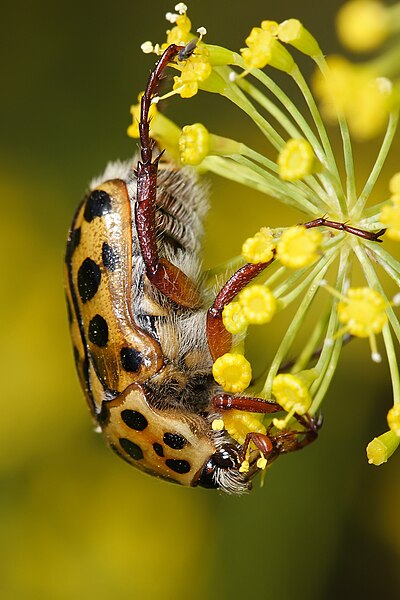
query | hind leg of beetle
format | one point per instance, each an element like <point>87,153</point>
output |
<point>219,339</point>
<point>165,276</point>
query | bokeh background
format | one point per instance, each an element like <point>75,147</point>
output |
<point>76,521</point>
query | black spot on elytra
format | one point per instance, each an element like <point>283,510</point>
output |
<point>98,331</point>
<point>175,440</point>
<point>74,239</point>
<point>131,359</point>
<point>158,449</point>
<point>77,356</point>
<point>132,449</point>
<point>97,205</point>
<point>110,257</point>
<point>134,419</point>
<point>179,466</point>
<point>89,276</point>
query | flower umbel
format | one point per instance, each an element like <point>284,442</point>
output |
<point>341,238</point>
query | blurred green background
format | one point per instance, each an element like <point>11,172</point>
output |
<point>76,521</point>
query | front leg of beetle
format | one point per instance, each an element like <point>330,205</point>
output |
<point>219,339</point>
<point>165,276</point>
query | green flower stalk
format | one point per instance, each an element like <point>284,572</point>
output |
<point>314,263</point>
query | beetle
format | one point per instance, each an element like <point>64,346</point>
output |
<point>145,329</point>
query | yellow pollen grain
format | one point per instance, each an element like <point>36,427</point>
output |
<point>233,318</point>
<point>194,144</point>
<point>239,423</point>
<point>363,311</point>
<point>298,247</point>
<point>258,304</point>
<point>233,372</point>
<point>296,160</point>
<point>260,247</point>
<point>217,425</point>
<point>291,393</point>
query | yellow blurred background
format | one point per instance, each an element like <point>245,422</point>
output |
<point>76,521</point>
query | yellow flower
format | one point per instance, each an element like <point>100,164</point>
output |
<point>390,217</point>
<point>239,423</point>
<point>194,144</point>
<point>363,311</point>
<point>233,372</point>
<point>264,49</point>
<point>180,34</point>
<point>394,184</point>
<point>382,448</point>
<point>298,247</point>
<point>162,129</point>
<point>244,467</point>
<point>260,247</point>
<point>233,318</point>
<point>363,25</point>
<point>296,160</point>
<point>356,93</point>
<point>258,304</point>
<point>195,70</point>
<point>292,393</point>
<point>293,32</point>
<point>217,425</point>
<point>393,419</point>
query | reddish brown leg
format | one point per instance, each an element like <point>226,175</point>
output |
<point>283,442</point>
<point>219,339</point>
<point>167,278</point>
<point>366,235</point>
<point>254,405</point>
<point>261,441</point>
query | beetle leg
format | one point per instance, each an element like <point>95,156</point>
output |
<point>261,441</point>
<point>165,276</point>
<point>254,405</point>
<point>362,233</point>
<point>219,339</point>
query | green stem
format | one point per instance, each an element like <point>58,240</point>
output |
<point>291,333</point>
<point>329,357</point>
<point>309,187</point>
<point>386,144</point>
<point>347,149</point>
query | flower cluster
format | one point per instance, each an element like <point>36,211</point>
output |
<point>313,263</point>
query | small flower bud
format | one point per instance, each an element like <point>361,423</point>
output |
<point>293,32</point>
<point>382,448</point>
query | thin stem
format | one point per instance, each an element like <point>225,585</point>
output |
<point>347,149</point>
<point>374,283</point>
<point>386,260</point>
<point>291,333</point>
<point>309,98</point>
<point>386,144</point>
<point>304,358</point>
<point>328,258</point>
<point>329,357</point>
<point>315,206</point>
<point>309,186</point>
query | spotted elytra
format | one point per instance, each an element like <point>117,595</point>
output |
<point>145,330</point>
